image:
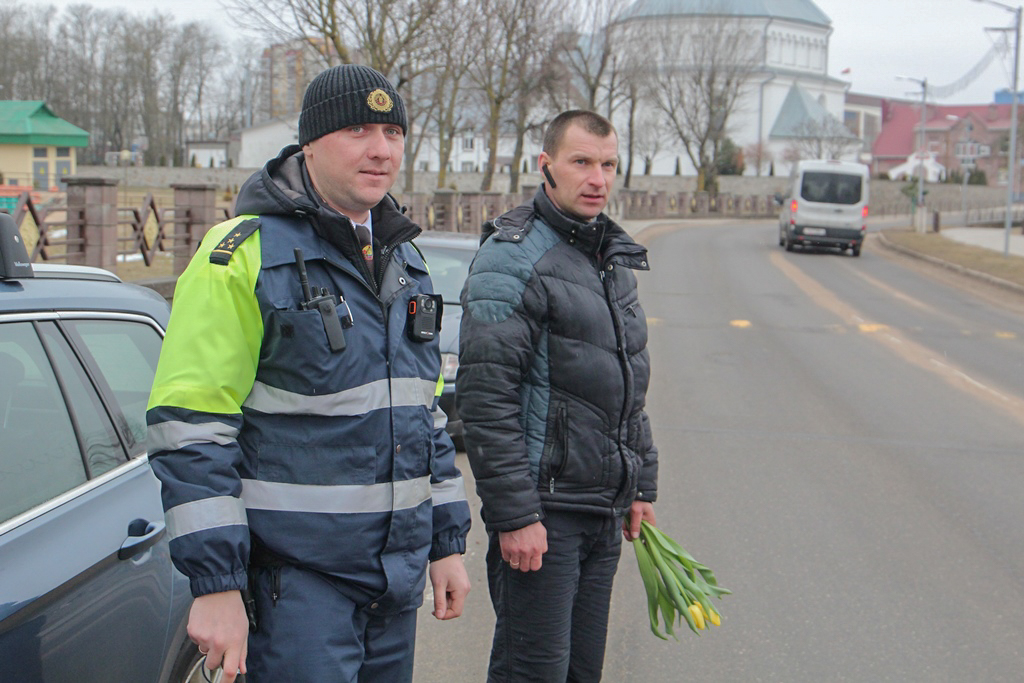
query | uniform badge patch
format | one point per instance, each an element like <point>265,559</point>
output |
<point>380,101</point>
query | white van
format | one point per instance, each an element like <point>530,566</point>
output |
<point>827,206</point>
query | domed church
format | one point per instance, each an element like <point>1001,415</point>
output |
<point>774,51</point>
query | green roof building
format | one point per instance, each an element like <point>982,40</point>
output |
<point>35,146</point>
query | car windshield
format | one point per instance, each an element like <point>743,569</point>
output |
<point>831,188</point>
<point>448,269</point>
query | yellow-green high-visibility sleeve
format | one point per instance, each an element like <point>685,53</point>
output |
<point>209,356</point>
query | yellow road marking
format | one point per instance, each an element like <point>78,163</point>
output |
<point>1006,335</point>
<point>909,350</point>
<point>740,323</point>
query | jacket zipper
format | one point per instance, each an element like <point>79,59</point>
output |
<point>563,433</point>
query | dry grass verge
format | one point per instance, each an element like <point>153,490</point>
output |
<point>979,259</point>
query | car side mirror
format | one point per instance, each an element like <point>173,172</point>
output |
<point>778,198</point>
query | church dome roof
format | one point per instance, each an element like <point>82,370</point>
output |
<point>796,10</point>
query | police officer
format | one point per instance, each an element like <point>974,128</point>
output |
<point>307,477</point>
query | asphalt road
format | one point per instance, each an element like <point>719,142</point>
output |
<point>841,440</point>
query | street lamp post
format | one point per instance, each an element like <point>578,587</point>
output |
<point>923,82</point>
<point>1011,156</point>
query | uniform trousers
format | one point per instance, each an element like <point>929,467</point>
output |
<point>552,624</point>
<point>313,633</point>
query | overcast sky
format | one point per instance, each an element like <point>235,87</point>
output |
<point>940,40</point>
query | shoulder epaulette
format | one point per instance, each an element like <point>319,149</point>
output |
<point>223,252</point>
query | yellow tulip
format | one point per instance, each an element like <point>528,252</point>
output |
<point>715,618</point>
<point>698,615</point>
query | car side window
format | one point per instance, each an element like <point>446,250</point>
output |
<point>103,451</point>
<point>39,453</point>
<point>126,354</point>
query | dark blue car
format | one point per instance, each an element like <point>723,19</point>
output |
<point>448,255</point>
<point>87,589</point>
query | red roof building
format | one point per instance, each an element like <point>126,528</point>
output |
<point>959,136</point>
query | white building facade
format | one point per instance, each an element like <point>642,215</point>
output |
<point>789,40</point>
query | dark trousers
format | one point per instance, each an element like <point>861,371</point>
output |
<point>552,624</point>
<point>314,634</point>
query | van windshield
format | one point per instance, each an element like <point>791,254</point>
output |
<point>831,188</point>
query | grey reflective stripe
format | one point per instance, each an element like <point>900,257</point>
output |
<point>411,391</point>
<point>175,435</point>
<point>440,419</point>
<point>343,499</point>
<point>448,491</point>
<point>208,513</point>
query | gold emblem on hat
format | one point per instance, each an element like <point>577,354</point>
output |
<point>380,101</point>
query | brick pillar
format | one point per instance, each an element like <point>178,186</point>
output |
<point>195,212</point>
<point>474,211</point>
<point>95,201</point>
<point>446,210</point>
<point>659,204</point>
<point>701,203</point>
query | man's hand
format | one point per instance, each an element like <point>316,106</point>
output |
<point>638,512</point>
<point>218,625</point>
<point>523,548</point>
<point>451,586</point>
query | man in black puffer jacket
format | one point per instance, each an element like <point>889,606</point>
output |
<point>552,384</point>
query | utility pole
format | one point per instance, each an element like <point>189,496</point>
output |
<point>919,217</point>
<point>1011,153</point>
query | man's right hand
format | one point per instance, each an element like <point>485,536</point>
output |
<point>218,625</point>
<point>523,548</point>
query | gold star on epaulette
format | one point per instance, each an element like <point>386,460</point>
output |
<point>222,253</point>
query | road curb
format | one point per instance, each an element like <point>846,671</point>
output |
<point>984,277</point>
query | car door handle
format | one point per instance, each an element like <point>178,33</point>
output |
<point>142,535</point>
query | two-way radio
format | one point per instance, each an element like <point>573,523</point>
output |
<point>321,300</point>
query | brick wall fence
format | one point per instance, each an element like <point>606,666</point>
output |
<point>87,226</point>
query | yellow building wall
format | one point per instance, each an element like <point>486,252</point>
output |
<point>16,164</point>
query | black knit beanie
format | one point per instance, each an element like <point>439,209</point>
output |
<point>348,95</point>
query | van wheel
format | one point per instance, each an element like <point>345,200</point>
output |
<point>855,250</point>
<point>789,244</point>
<point>782,240</point>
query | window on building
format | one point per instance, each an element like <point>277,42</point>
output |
<point>63,152</point>
<point>39,152</point>
<point>467,143</point>
<point>467,167</point>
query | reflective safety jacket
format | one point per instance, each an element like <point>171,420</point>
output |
<point>337,461</point>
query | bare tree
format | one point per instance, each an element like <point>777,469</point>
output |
<point>651,135</point>
<point>535,72</point>
<point>758,154</point>
<point>700,68</point>
<point>826,138</point>
<point>589,53</point>
<point>383,34</point>
<point>506,66</point>
<point>26,57</point>
<point>456,40</point>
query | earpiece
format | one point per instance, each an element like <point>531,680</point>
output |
<point>547,174</point>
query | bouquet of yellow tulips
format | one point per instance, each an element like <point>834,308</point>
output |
<point>677,585</point>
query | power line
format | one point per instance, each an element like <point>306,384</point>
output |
<point>943,91</point>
